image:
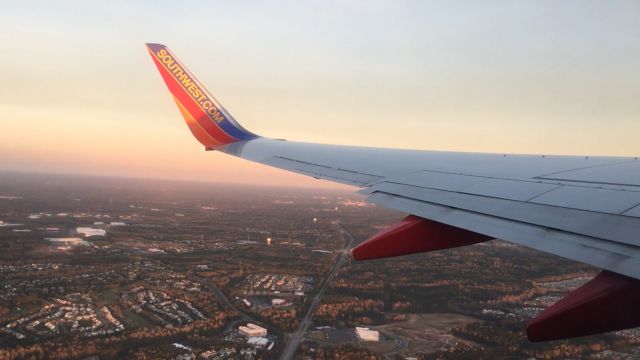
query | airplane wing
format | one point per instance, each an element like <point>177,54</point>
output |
<point>585,208</point>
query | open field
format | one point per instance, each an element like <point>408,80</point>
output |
<point>425,333</point>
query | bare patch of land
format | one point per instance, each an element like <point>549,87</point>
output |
<point>427,333</point>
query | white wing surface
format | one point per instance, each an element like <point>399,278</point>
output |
<point>582,208</point>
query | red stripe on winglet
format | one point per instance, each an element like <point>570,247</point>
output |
<point>190,105</point>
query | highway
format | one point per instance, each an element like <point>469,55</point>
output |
<point>296,337</point>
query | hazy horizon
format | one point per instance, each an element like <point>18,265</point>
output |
<point>46,176</point>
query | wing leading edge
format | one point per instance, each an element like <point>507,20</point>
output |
<point>583,208</point>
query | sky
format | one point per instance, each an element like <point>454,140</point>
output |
<point>80,93</point>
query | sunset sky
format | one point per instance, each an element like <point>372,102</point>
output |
<point>80,93</point>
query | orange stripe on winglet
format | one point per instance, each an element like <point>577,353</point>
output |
<point>201,135</point>
<point>190,105</point>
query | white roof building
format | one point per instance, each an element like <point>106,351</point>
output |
<point>87,231</point>
<point>68,241</point>
<point>277,302</point>
<point>258,341</point>
<point>366,334</point>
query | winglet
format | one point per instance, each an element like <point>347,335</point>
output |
<point>209,122</point>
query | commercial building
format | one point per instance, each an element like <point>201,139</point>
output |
<point>366,334</point>
<point>278,302</point>
<point>258,341</point>
<point>87,231</point>
<point>68,241</point>
<point>252,330</point>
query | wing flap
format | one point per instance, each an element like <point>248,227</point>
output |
<point>510,189</point>
<point>599,200</point>
<point>616,257</point>
<point>616,228</point>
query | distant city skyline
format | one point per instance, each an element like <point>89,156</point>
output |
<point>82,95</point>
